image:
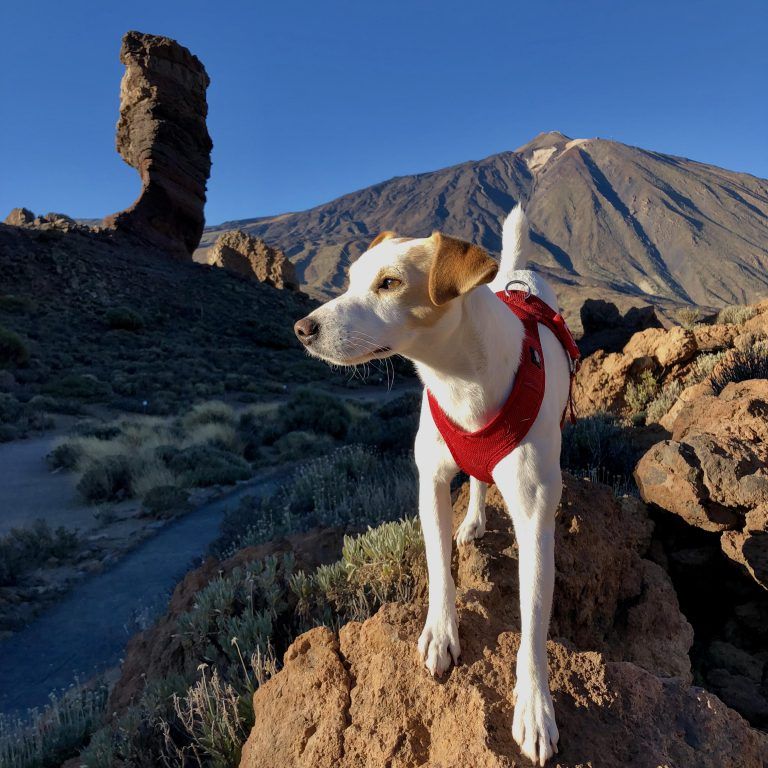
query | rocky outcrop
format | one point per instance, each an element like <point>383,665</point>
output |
<point>19,217</point>
<point>713,472</point>
<point>361,697</point>
<point>669,355</point>
<point>162,134</point>
<point>251,257</point>
<point>604,327</point>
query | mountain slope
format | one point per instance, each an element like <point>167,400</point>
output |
<point>609,221</point>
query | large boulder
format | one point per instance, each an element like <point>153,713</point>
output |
<point>713,473</point>
<point>361,696</point>
<point>20,217</point>
<point>251,257</point>
<point>163,135</point>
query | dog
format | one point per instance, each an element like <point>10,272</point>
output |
<point>436,302</point>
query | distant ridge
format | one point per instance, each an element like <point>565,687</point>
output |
<point>609,221</point>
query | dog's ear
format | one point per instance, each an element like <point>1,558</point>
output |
<point>379,238</point>
<point>457,267</point>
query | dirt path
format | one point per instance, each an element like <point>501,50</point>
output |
<point>29,490</point>
<point>86,631</point>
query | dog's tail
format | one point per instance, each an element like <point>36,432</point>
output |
<point>514,240</point>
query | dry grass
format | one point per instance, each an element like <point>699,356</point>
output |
<point>736,314</point>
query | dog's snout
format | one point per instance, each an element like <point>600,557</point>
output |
<point>306,329</point>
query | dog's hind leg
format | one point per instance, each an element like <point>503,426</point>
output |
<point>530,482</point>
<point>473,525</point>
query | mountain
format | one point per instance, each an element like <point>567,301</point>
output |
<point>608,221</point>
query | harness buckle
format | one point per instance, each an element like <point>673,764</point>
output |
<point>518,282</point>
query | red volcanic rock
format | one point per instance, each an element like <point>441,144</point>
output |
<point>163,135</point>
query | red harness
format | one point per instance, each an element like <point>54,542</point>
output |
<point>477,453</point>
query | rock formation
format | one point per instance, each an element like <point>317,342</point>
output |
<point>251,257</point>
<point>20,217</point>
<point>162,133</point>
<point>669,355</point>
<point>361,697</point>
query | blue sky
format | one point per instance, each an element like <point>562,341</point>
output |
<point>310,100</point>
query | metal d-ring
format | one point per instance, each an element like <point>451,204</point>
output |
<point>519,282</point>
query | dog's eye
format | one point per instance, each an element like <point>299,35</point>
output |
<point>388,283</point>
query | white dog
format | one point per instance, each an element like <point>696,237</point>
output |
<point>433,300</point>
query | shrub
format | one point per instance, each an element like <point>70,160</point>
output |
<point>736,314</point>
<point>353,486</point>
<point>15,304</point>
<point>599,445</point>
<point>392,426</point>
<point>302,445</point>
<point>13,351</point>
<point>703,366</point>
<point>106,479</point>
<point>664,400</point>
<point>205,465</point>
<point>80,387</point>
<point>639,393</point>
<point>688,316</point>
<point>24,549</point>
<point>51,736</point>
<point>308,409</point>
<point>740,366</point>
<point>166,501</point>
<point>124,319</point>
<point>212,412</point>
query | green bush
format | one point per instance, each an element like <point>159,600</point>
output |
<point>392,426</point>
<point>49,737</point>
<point>599,446</point>
<point>664,400</point>
<point>85,387</point>
<point>13,351</point>
<point>741,366</point>
<point>299,445</point>
<point>639,393</point>
<point>107,479</point>
<point>205,465</point>
<point>735,315</point>
<point>309,409</point>
<point>15,304</point>
<point>24,549</point>
<point>166,501</point>
<point>213,412</point>
<point>354,486</point>
<point>124,319</point>
<point>688,316</point>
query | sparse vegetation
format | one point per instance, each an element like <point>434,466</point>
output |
<point>24,549</point>
<point>688,316</point>
<point>13,350</point>
<point>49,737</point>
<point>600,447</point>
<point>640,392</point>
<point>736,314</point>
<point>354,486</point>
<point>664,400</point>
<point>124,319</point>
<point>740,366</point>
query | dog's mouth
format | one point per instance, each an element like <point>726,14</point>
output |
<point>374,354</point>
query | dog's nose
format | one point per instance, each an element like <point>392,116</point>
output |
<point>306,329</point>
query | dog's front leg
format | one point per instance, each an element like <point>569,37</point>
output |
<point>439,642</point>
<point>532,490</point>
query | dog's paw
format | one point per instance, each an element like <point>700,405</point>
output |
<point>533,724</point>
<point>439,643</point>
<point>470,529</point>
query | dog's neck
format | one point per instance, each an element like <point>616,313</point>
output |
<point>469,358</point>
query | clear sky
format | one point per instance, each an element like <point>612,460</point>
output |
<point>309,100</point>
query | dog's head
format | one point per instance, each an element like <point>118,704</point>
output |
<point>399,290</point>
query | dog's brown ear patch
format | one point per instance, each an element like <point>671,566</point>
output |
<point>457,267</point>
<point>379,238</point>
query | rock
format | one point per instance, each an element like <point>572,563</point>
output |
<point>251,257</point>
<point>606,329</point>
<point>713,472</point>
<point>20,217</point>
<point>671,347</point>
<point>162,133</point>
<point>362,697</point>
